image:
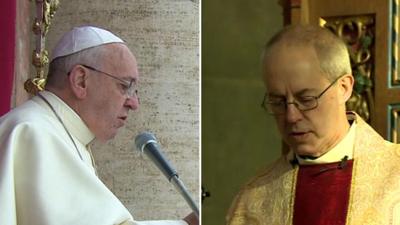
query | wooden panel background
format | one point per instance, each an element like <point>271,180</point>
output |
<point>386,96</point>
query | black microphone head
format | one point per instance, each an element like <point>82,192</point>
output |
<point>144,138</point>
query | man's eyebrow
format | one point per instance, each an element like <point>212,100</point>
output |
<point>305,91</point>
<point>129,79</point>
<point>298,93</point>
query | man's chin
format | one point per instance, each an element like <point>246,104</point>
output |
<point>304,150</point>
<point>107,137</point>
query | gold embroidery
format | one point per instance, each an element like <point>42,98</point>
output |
<point>374,195</point>
<point>267,199</point>
<point>293,192</point>
<point>376,179</point>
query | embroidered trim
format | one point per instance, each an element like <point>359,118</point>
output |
<point>293,192</point>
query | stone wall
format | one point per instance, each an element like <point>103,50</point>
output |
<point>163,35</point>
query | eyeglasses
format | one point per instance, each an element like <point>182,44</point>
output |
<point>128,87</point>
<point>303,103</point>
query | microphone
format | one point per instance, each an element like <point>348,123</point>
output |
<point>146,142</point>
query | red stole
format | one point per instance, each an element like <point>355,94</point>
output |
<point>322,194</point>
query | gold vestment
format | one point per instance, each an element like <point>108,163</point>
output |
<point>374,194</point>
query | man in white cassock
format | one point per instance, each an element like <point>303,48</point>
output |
<point>47,173</point>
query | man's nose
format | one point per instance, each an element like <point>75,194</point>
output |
<point>293,114</point>
<point>132,102</point>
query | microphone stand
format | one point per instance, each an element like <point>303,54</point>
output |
<point>144,139</point>
<point>180,187</point>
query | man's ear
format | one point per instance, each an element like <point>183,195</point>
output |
<point>346,86</point>
<point>77,79</point>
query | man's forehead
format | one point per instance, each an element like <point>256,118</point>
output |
<point>299,81</point>
<point>287,62</point>
<point>120,58</point>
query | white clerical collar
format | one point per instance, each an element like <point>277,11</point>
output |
<point>337,153</point>
<point>74,124</point>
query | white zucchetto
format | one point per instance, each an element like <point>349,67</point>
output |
<point>84,37</point>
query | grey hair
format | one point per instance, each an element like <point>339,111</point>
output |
<point>331,51</point>
<point>61,66</point>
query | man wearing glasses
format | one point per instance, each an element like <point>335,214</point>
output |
<point>47,172</point>
<point>338,170</point>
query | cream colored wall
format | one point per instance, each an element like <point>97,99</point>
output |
<point>164,37</point>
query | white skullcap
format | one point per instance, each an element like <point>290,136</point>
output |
<point>84,37</point>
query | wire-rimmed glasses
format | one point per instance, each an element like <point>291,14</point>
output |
<point>303,103</point>
<point>129,87</point>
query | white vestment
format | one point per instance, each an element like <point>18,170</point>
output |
<point>43,178</point>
